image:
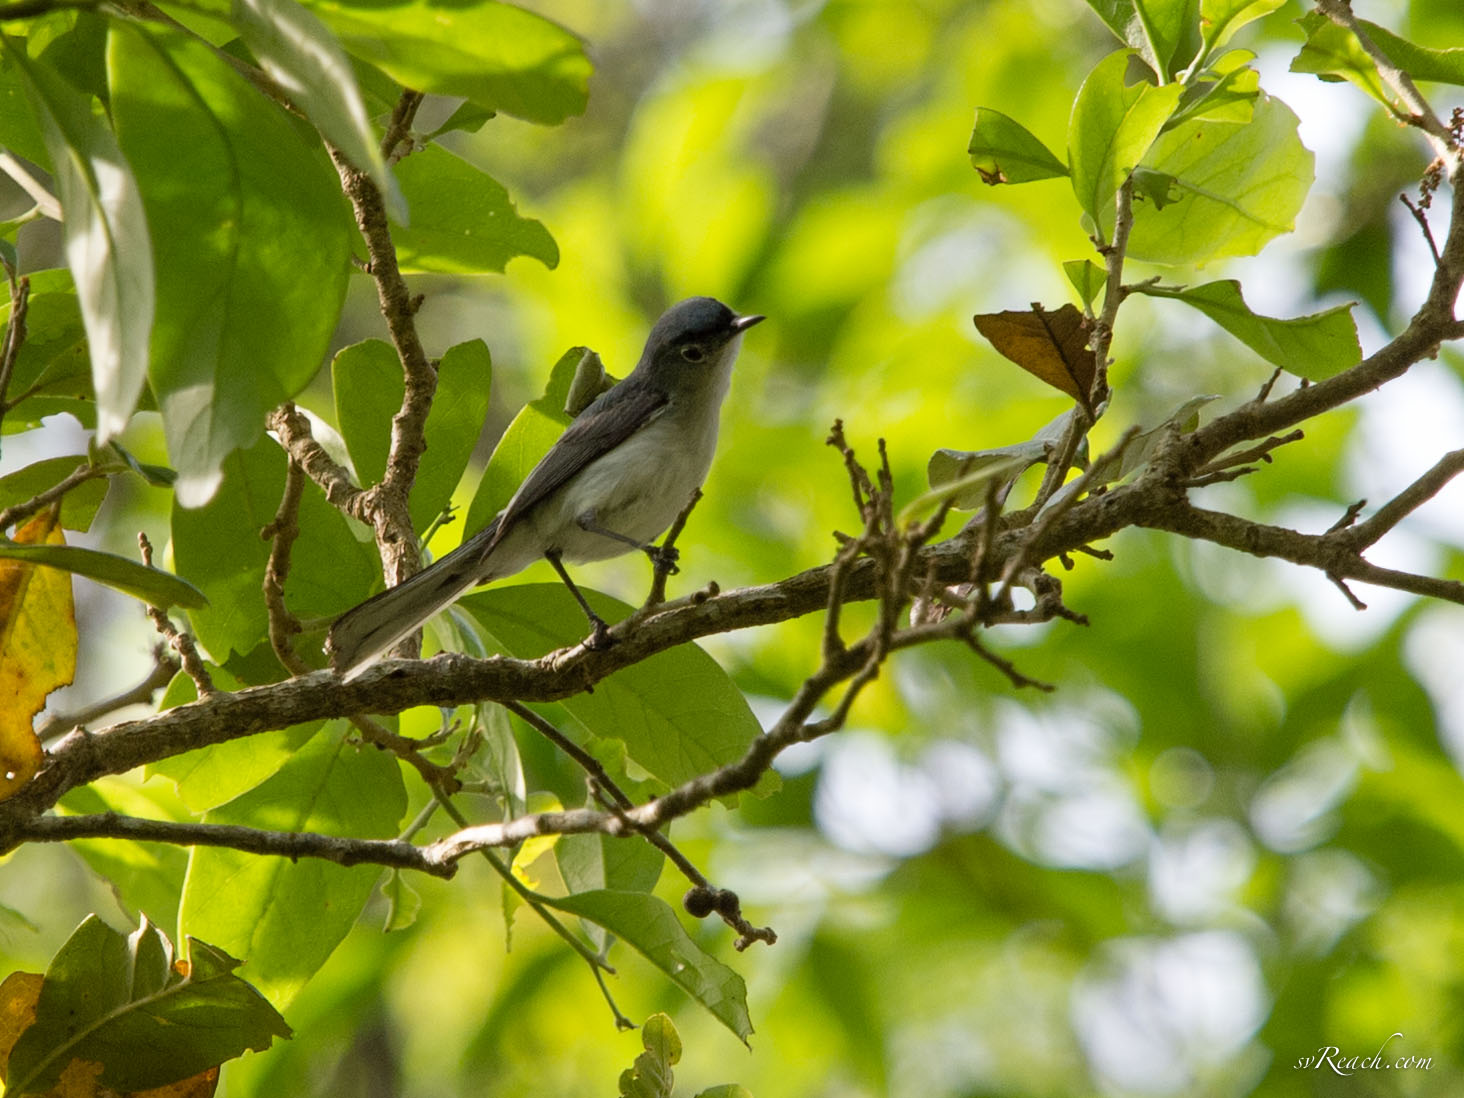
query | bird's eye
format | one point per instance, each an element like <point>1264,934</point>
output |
<point>693,353</point>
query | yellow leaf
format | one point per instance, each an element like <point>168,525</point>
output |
<point>37,649</point>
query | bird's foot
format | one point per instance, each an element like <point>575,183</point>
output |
<point>664,558</point>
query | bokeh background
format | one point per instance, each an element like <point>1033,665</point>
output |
<point>1232,837</point>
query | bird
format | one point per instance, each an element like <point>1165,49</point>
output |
<point>612,482</point>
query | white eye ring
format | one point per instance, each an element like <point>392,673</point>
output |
<point>693,353</point>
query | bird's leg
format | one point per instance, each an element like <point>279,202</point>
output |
<point>599,632</point>
<point>663,557</point>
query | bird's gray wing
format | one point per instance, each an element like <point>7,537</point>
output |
<point>601,427</point>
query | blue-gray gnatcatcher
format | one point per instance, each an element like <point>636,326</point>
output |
<point>615,479</point>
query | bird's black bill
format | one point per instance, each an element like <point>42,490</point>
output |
<point>742,323</point>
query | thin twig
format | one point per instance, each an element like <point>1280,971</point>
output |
<point>163,669</point>
<point>41,500</point>
<point>180,640</point>
<point>281,534</point>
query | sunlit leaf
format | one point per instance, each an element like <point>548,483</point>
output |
<point>1004,151</point>
<point>1165,32</point>
<point>1112,126</point>
<point>1314,347</point>
<point>1220,19</point>
<point>463,221</point>
<point>37,646</point>
<point>651,1075</point>
<point>499,56</point>
<point>1087,278</point>
<point>1236,187</point>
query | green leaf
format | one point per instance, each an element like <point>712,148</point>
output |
<point>367,380</point>
<point>1238,186</point>
<point>106,236</point>
<point>468,117</point>
<point>1165,32</point>
<point>1314,347</point>
<point>1220,19</point>
<point>964,474</point>
<point>462,219</point>
<point>499,56</point>
<point>1004,151</point>
<point>219,548</point>
<point>678,713</point>
<point>652,929</point>
<point>1111,129</point>
<point>52,372</point>
<point>1224,92</point>
<point>78,506</point>
<point>115,1000</point>
<point>146,878</point>
<point>725,1090</point>
<point>151,585</point>
<point>286,917</point>
<point>252,268</point>
<point>651,1075</point>
<point>403,902</point>
<point>595,860</point>
<point>527,439</point>
<point>207,777</point>
<point>18,130</point>
<point>1087,278</point>
<point>304,59</point>
<point>1421,63</point>
<point>1332,52</point>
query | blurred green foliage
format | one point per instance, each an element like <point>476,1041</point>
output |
<point>1229,840</point>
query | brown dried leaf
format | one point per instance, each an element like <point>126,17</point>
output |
<point>1049,344</point>
<point>37,649</point>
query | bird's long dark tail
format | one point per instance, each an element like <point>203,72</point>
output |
<point>365,632</point>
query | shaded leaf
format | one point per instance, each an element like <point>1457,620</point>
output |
<point>218,547</point>
<point>252,269</point>
<point>37,647</point>
<point>652,929</point>
<point>1004,151</point>
<point>106,236</point>
<point>120,1002</point>
<point>151,585</point>
<point>19,993</point>
<point>1049,344</point>
<point>678,713</point>
<point>950,469</point>
<point>304,59</point>
<point>1112,126</point>
<point>463,221</point>
<point>368,385</point>
<point>1314,347</point>
<point>527,439</point>
<point>78,506</point>
<point>286,916</point>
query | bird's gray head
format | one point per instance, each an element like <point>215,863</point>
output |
<point>694,342</point>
